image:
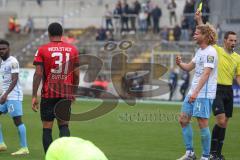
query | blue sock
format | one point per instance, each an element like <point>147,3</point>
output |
<point>206,141</point>
<point>188,137</point>
<point>1,135</point>
<point>22,135</point>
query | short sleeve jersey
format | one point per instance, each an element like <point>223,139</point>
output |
<point>228,66</point>
<point>59,59</point>
<point>8,67</point>
<point>205,58</point>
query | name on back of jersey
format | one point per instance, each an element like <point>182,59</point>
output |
<point>59,49</point>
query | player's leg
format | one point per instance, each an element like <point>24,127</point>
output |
<point>15,110</point>
<point>62,113</point>
<point>21,130</point>
<point>205,137</point>
<point>63,128</point>
<point>3,146</point>
<point>223,108</point>
<point>222,121</point>
<point>47,134</point>
<point>202,111</point>
<point>47,117</point>
<point>219,112</point>
<point>184,120</point>
<point>220,126</point>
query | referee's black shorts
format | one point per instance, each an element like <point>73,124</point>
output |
<point>223,103</point>
<point>51,108</point>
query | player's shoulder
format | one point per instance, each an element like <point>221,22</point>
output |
<point>211,50</point>
<point>13,59</point>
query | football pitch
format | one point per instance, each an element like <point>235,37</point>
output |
<point>141,132</point>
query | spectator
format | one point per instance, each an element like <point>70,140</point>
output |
<point>173,78</point>
<point>108,17</point>
<point>117,16</point>
<point>171,37</point>
<point>189,13</point>
<point>39,2</point>
<point>205,12</point>
<point>110,36</point>
<point>177,32</point>
<point>125,12</point>
<point>28,28</point>
<point>17,26</point>
<point>143,21</point>
<point>133,14</point>
<point>11,24</point>
<point>219,33</point>
<point>184,29</point>
<point>149,8</point>
<point>156,15</point>
<point>164,33</point>
<point>137,7</point>
<point>184,87</point>
<point>101,34</point>
<point>172,11</point>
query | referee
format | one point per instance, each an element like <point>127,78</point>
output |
<point>228,68</point>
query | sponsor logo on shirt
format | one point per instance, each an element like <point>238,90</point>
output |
<point>210,59</point>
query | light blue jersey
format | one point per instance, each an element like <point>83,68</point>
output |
<point>205,58</point>
<point>8,67</point>
<point>201,107</point>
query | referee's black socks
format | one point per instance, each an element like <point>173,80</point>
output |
<point>64,131</point>
<point>218,135</point>
<point>46,138</point>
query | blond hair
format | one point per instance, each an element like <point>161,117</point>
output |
<point>209,32</point>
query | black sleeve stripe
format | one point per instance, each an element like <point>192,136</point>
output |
<point>37,63</point>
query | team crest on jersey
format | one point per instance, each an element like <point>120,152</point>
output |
<point>210,59</point>
<point>14,66</point>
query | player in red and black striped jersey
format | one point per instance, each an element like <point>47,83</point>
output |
<point>57,66</point>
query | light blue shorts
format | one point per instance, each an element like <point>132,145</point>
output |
<point>13,107</point>
<point>201,107</point>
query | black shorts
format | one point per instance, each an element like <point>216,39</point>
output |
<point>51,108</point>
<point>223,103</point>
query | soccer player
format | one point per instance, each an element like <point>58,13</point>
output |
<point>228,68</point>
<point>57,65</point>
<point>12,96</point>
<point>198,101</point>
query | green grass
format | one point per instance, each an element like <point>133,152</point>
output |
<point>121,134</point>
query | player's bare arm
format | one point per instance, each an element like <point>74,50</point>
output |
<point>203,79</point>
<point>10,88</point>
<point>36,82</point>
<point>198,17</point>
<point>184,66</point>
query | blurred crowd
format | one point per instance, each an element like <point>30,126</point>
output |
<point>15,26</point>
<point>144,17</point>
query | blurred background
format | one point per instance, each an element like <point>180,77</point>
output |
<point>157,29</point>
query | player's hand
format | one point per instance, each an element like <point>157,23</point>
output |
<point>193,97</point>
<point>178,60</point>
<point>3,98</point>
<point>35,105</point>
